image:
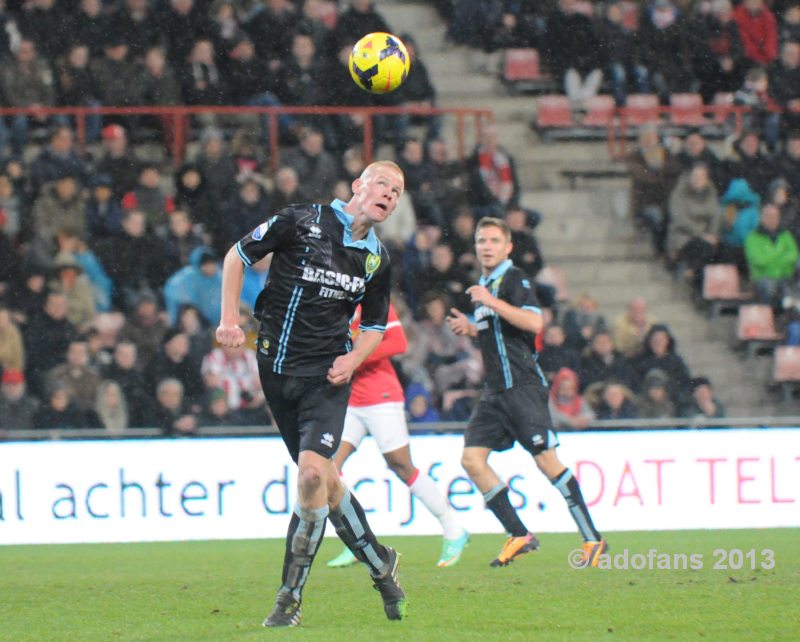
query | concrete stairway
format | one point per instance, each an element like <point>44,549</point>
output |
<point>586,231</point>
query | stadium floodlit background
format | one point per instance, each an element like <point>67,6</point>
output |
<point>632,146</point>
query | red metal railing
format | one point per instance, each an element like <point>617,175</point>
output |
<point>179,116</point>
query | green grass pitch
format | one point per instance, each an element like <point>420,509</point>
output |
<point>220,591</point>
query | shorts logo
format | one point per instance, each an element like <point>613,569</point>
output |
<point>259,232</point>
<point>315,232</point>
<point>537,440</point>
<point>373,263</point>
<point>526,284</point>
<point>327,440</point>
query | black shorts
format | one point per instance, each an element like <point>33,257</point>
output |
<point>309,411</point>
<point>505,416</point>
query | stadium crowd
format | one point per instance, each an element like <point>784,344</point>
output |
<point>110,262</point>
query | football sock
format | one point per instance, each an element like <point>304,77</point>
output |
<point>424,489</point>
<point>568,486</point>
<point>306,528</point>
<point>497,502</point>
<point>352,528</point>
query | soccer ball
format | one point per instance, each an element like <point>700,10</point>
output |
<point>379,63</point>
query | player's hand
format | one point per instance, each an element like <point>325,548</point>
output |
<point>458,322</point>
<point>342,370</point>
<point>231,336</point>
<point>480,295</point>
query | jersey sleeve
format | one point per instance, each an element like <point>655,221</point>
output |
<point>394,340</point>
<point>274,233</point>
<point>520,292</point>
<point>375,305</point>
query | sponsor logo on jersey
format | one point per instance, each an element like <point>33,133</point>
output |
<point>265,344</point>
<point>259,232</point>
<point>315,232</point>
<point>482,312</point>
<point>329,277</point>
<point>373,263</point>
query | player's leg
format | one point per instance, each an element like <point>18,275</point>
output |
<point>354,431</point>
<point>562,478</point>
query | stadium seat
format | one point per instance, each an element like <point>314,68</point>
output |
<point>723,107</point>
<point>721,286</point>
<point>786,369</point>
<point>686,110</point>
<point>599,111</point>
<point>756,326</point>
<point>521,65</point>
<point>641,109</point>
<point>555,278</point>
<point>554,111</point>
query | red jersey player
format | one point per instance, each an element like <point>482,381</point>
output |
<point>376,407</point>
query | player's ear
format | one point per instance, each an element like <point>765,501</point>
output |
<point>356,185</point>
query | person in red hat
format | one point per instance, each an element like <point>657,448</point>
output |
<point>17,407</point>
<point>117,160</point>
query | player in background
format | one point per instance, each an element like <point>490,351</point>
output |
<point>513,404</point>
<point>326,260</point>
<point>376,407</point>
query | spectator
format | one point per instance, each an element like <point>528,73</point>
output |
<point>179,240</point>
<point>117,78</point>
<point>172,414</point>
<point>217,412</point>
<point>25,82</point>
<point>568,409</point>
<point>124,371</point>
<point>149,197</point>
<point>57,160</point>
<point>665,49</point>
<point>138,26</point>
<point>201,340</point>
<point>704,403</point>
<point>248,209</point>
<point>784,83</point>
<point>555,354</point>
<point>317,169</point>
<point>358,19</point>
<point>739,216</point>
<point>759,32</point>
<point>653,173</point>
<point>59,410</point>
<point>145,329</point>
<point>573,53</point>
<point>270,26</point>
<point>235,370</point>
<point>218,168</point>
<point>695,150</point>
<point>602,362</point>
<point>582,321</point>
<point>287,188</point>
<point>110,409</point>
<point>449,178</point>
<point>89,26</point>
<point>771,254</point>
<point>160,88</point>
<point>419,183</point>
<point>202,82</point>
<point>117,162</point>
<point>779,194</point>
<point>60,205</point>
<point>761,116</point>
<point>47,336</point>
<point>788,162</point>
<point>789,28</point>
<point>133,259</point>
<point>616,402</point>
<point>18,409</point>
<point>199,283</point>
<point>185,22</point>
<point>191,193</point>
<point>10,212</point>
<point>225,28</point>
<point>27,296</point>
<point>175,361</point>
<point>103,211</point>
<point>660,352</point>
<point>70,280</point>
<point>9,31</point>
<point>77,376</point>
<point>621,44</point>
<point>493,186</point>
<point>419,404</point>
<point>632,327</point>
<point>77,87</point>
<point>300,75</point>
<point>418,91</point>
<point>12,349</point>
<point>416,258</point>
<point>44,22</point>
<point>745,159</point>
<point>444,276</point>
<point>717,51</point>
<point>655,402</point>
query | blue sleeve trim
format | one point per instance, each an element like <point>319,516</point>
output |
<point>242,255</point>
<point>532,308</point>
<point>376,328</point>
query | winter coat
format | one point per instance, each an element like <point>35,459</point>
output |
<point>745,220</point>
<point>770,256</point>
<point>51,214</point>
<point>759,33</point>
<point>190,285</point>
<point>692,213</point>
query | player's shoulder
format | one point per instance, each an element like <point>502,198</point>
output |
<point>517,276</point>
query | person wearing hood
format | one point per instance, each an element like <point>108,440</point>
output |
<point>659,353</point>
<point>199,283</point>
<point>655,402</point>
<point>569,410</point>
<point>740,212</point>
<point>771,254</point>
<point>191,193</point>
<point>746,159</point>
<point>419,404</point>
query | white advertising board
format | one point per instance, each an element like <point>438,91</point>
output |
<point>149,490</point>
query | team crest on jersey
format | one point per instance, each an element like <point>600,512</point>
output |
<point>259,232</point>
<point>315,232</point>
<point>373,263</point>
<point>265,344</point>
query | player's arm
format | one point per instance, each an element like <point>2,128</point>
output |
<point>394,341</point>
<point>229,333</point>
<point>345,365</point>
<point>527,318</point>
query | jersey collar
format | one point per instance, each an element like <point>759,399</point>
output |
<point>499,271</point>
<point>369,242</point>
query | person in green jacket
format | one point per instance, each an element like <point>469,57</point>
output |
<point>771,254</point>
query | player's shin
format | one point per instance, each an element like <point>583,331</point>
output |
<point>569,487</point>
<point>353,529</point>
<point>303,539</point>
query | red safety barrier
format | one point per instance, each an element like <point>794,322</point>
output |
<point>179,115</point>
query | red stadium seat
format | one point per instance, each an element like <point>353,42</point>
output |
<point>756,325</point>
<point>721,285</point>
<point>786,368</point>
<point>554,111</point>
<point>686,110</point>
<point>641,109</point>
<point>556,278</point>
<point>723,107</point>
<point>599,111</point>
<point>521,65</point>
